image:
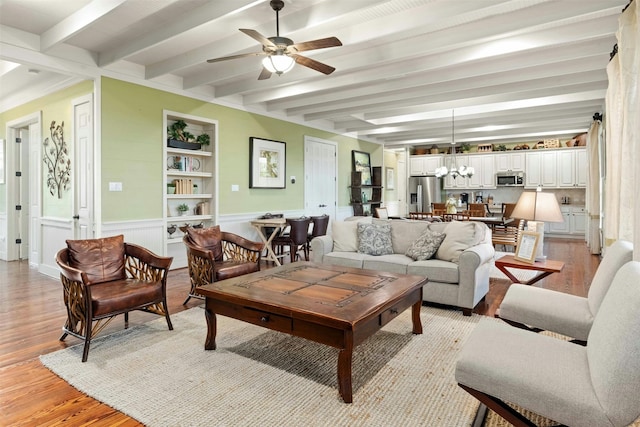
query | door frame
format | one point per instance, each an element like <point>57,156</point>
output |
<point>77,176</point>
<point>10,249</point>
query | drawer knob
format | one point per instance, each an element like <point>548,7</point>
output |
<point>394,311</point>
<point>264,319</point>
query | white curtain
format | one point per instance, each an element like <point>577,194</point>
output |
<point>622,206</point>
<point>593,206</point>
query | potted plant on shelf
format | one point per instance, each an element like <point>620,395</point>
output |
<point>466,147</point>
<point>183,208</point>
<point>179,137</point>
<point>171,188</point>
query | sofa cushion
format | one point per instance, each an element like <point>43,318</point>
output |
<point>425,246</point>
<point>460,235</point>
<point>209,238</point>
<point>404,232</point>
<point>393,263</point>
<point>345,236</point>
<point>436,270</point>
<point>345,259</point>
<point>374,239</point>
<point>101,259</point>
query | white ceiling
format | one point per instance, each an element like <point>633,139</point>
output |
<point>512,70</point>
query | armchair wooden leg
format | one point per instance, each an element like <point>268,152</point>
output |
<point>87,341</point>
<point>166,314</point>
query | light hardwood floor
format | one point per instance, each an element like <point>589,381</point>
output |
<point>32,313</point>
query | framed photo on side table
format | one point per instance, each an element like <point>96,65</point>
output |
<point>362,163</point>
<point>527,246</point>
<point>267,163</point>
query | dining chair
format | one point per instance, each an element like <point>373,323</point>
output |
<point>318,228</point>
<point>296,240</point>
<point>438,209</point>
<point>477,209</point>
<point>507,235</point>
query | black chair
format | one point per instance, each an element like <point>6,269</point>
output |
<point>320,225</point>
<point>296,239</point>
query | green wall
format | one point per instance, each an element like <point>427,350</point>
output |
<point>133,139</point>
<point>56,106</point>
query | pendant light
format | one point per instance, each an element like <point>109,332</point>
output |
<point>454,171</point>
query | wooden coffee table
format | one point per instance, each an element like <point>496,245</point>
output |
<point>544,267</point>
<point>331,305</point>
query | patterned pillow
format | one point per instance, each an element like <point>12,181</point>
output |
<point>374,239</point>
<point>425,246</point>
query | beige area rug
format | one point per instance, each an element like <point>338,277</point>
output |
<point>266,378</point>
<point>522,275</point>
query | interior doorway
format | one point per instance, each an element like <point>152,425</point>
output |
<point>320,183</point>
<point>23,192</point>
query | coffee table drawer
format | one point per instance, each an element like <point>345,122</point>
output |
<point>393,312</point>
<point>257,317</point>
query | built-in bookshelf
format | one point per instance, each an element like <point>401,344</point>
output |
<point>189,181</point>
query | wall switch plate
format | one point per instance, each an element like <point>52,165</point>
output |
<point>235,187</point>
<point>115,186</point>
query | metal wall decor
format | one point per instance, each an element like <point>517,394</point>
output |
<point>56,158</point>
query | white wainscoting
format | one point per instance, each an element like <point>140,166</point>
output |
<point>147,233</point>
<point>3,236</point>
<point>55,231</point>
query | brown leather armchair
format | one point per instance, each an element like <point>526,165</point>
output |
<point>102,278</point>
<point>215,255</point>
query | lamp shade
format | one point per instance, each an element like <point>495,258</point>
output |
<point>537,206</point>
<point>278,64</point>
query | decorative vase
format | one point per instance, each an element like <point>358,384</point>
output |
<point>171,229</point>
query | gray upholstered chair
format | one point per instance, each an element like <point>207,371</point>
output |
<point>596,385</point>
<point>544,309</point>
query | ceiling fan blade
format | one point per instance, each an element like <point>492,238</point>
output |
<point>242,55</point>
<point>259,37</point>
<point>313,64</point>
<point>314,44</point>
<point>264,74</point>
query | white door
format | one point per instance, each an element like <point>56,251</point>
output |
<point>320,183</point>
<point>401,184</point>
<point>34,193</point>
<point>83,155</point>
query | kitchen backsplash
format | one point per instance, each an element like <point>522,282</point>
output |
<point>576,196</point>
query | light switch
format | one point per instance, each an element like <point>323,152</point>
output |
<point>235,187</point>
<point>115,186</point>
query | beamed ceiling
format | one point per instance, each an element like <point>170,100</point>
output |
<point>511,70</point>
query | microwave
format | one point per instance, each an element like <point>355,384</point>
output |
<point>510,179</point>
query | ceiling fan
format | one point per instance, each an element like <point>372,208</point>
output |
<point>281,52</point>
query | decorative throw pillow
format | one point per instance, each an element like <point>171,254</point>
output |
<point>345,236</point>
<point>209,238</point>
<point>460,235</point>
<point>425,246</point>
<point>102,259</point>
<point>374,239</point>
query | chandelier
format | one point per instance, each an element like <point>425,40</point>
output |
<point>454,171</point>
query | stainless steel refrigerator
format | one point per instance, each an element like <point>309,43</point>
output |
<point>424,190</point>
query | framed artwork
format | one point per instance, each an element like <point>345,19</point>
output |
<point>527,246</point>
<point>362,163</point>
<point>391,178</point>
<point>267,167</point>
<point>1,161</point>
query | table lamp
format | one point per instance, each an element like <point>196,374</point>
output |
<point>537,208</point>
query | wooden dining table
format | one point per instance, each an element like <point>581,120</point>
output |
<point>492,221</point>
<point>277,224</point>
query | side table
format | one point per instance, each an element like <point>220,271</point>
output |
<point>545,268</point>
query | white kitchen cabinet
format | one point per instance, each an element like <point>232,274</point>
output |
<point>575,221</point>
<point>572,168</point>
<point>541,169</point>
<point>424,165</point>
<point>484,176</point>
<point>509,161</point>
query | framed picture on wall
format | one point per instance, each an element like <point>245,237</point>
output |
<point>362,163</point>
<point>391,179</point>
<point>267,163</point>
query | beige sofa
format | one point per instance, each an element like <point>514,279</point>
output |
<point>460,280</point>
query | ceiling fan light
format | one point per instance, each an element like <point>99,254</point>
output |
<point>278,64</point>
